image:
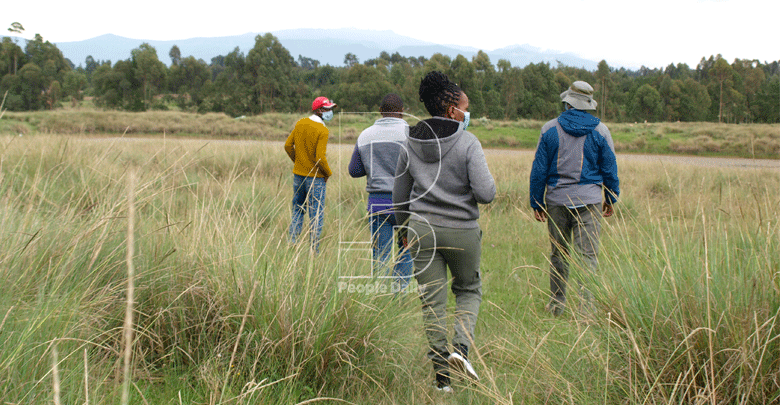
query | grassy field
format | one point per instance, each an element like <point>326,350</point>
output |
<point>705,139</point>
<point>225,311</point>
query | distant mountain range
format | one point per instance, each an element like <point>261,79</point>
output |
<point>328,46</point>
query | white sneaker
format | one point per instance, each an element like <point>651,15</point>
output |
<point>462,366</point>
<point>444,388</point>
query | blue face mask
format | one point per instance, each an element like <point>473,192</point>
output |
<point>327,115</point>
<point>466,117</point>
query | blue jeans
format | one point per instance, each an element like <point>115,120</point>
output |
<point>308,194</point>
<point>382,233</point>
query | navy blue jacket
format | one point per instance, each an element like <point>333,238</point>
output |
<point>575,163</point>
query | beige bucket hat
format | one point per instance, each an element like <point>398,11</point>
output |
<point>580,96</point>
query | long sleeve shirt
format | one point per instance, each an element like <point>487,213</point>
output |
<point>306,146</point>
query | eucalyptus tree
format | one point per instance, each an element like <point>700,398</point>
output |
<point>752,77</point>
<point>74,85</point>
<point>90,66</point>
<point>35,76</point>
<point>463,72</point>
<point>11,56</point>
<point>722,73</point>
<point>14,52</point>
<point>272,76</point>
<point>350,59</point>
<point>149,70</point>
<point>489,86</point>
<point>671,96</point>
<point>229,94</point>
<point>540,98</point>
<point>118,86</point>
<point>437,61</point>
<point>53,67</point>
<point>175,55</point>
<point>362,89</point>
<point>187,80</point>
<point>768,99</point>
<point>647,104</point>
<point>694,101</point>
<point>48,57</point>
<point>32,87</point>
<point>602,75</point>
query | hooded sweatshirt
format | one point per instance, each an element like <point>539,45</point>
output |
<point>575,163</point>
<point>441,176</point>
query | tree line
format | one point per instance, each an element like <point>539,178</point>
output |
<point>268,78</point>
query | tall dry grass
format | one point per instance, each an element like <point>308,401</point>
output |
<point>211,245</point>
<point>693,297</point>
<point>226,311</point>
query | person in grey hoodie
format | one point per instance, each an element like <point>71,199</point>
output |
<point>441,176</point>
<point>574,182</point>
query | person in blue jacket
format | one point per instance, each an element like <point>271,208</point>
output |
<point>574,182</point>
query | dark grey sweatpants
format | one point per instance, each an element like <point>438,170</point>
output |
<point>577,229</point>
<point>434,250</point>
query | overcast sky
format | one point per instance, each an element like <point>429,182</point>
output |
<point>623,32</point>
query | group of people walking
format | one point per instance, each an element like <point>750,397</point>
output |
<point>426,181</point>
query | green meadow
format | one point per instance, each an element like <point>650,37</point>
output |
<point>154,268</point>
<point>705,139</point>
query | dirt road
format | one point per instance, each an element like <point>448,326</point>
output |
<point>683,160</point>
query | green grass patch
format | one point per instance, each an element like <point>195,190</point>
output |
<point>705,139</point>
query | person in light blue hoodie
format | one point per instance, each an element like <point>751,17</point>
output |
<point>574,182</point>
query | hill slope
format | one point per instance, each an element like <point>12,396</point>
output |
<point>327,46</point>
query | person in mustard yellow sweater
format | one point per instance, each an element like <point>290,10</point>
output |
<point>306,147</point>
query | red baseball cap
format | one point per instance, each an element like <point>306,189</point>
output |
<point>320,102</point>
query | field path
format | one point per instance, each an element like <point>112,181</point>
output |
<point>740,163</point>
<point>680,160</point>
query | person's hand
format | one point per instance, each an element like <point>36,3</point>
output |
<point>540,215</point>
<point>405,242</point>
<point>607,210</point>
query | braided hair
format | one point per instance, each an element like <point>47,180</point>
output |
<point>437,92</point>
